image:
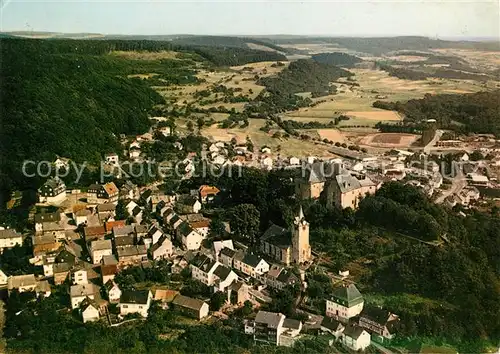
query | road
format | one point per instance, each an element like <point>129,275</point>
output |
<point>381,348</point>
<point>437,136</point>
<point>458,183</point>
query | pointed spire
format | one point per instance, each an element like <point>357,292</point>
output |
<point>301,213</point>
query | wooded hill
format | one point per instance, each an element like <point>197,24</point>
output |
<point>474,113</point>
<point>339,59</point>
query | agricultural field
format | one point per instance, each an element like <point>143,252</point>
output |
<point>389,140</point>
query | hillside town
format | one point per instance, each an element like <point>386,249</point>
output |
<point>91,240</point>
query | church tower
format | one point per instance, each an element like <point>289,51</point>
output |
<point>301,250</point>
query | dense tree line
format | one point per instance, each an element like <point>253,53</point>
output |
<point>303,75</point>
<point>339,59</point>
<point>475,112</point>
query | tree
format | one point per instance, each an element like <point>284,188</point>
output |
<point>233,141</point>
<point>245,220</point>
<point>250,146</point>
<point>121,211</point>
<point>190,126</point>
<point>217,300</point>
<point>200,122</point>
<point>476,156</point>
<point>217,228</point>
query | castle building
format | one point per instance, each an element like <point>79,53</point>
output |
<point>288,245</point>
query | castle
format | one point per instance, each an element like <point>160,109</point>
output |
<point>288,245</point>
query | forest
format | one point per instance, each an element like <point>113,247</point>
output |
<point>304,75</point>
<point>340,59</point>
<point>464,113</point>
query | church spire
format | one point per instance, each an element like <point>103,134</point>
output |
<point>301,213</point>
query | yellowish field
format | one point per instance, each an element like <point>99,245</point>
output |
<point>389,140</point>
<point>381,115</point>
<point>331,134</point>
<point>146,55</point>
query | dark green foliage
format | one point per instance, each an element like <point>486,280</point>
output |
<point>195,288</point>
<point>336,58</point>
<point>245,221</point>
<point>15,260</point>
<point>476,112</point>
<point>230,56</point>
<point>303,76</point>
<point>217,300</point>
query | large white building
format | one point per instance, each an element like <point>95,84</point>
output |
<point>9,238</point>
<point>345,303</point>
<point>135,301</point>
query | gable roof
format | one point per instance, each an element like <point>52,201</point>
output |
<point>222,272</point>
<point>9,233</point>
<point>54,182</point>
<point>185,229</point>
<point>100,245</point>
<point>109,269</point>
<point>287,277</point>
<point>228,252</point>
<point>292,324</point>
<point>134,297</point>
<point>17,281</point>
<point>203,262</point>
<point>47,217</point>
<point>251,259</point>
<point>120,231</point>
<point>188,302</point>
<point>83,290</point>
<point>353,332</point>
<point>94,231</point>
<point>331,323</point>
<point>106,207</point>
<point>166,295</point>
<point>109,225</point>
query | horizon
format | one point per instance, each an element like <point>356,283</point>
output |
<point>441,19</point>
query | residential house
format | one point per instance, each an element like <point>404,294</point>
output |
<point>223,277</point>
<point>217,247</point>
<point>355,338</point>
<point>266,162</point>
<point>111,159</point>
<point>123,231</point>
<point>187,204</point>
<point>109,225</point>
<point>92,233</point>
<point>191,307</point>
<point>135,301</point>
<point>291,331</point>
<point>251,264</point>
<point>201,227</point>
<point>9,238</point>
<point>279,277</point>
<point>238,293</point>
<point>54,229</point>
<point>78,293</point>
<point>190,239</point>
<point>227,255</point>
<point>22,283</point>
<point>43,245</point>
<point>162,249</point>
<point>79,276</point>
<point>268,327</point>
<point>53,191</point>
<point>265,150</point>
<point>106,211</point>
<point>154,234</point>
<point>81,216</point>
<point>89,310</point>
<point>134,153</point>
<point>345,190</point>
<point>381,323</point>
<point>112,291</point>
<point>43,288</point>
<point>61,272</point>
<point>202,269</point>
<point>129,191</point>
<point>346,302</point>
<point>100,248</point>
<point>108,271</point>
<point>165,296</point>
<point>61,162</point>
<point>132,254</point>
<point>42,218</point>
<point>207,193</point>
<point>312,183</point>
<point>102,193</point>
<point>294,161</point>
<point>332,326</point>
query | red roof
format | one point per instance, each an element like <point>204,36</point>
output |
<point>208,190</point>
<point>109,269</point>
<point>110,224</point>
<point>94,231</point>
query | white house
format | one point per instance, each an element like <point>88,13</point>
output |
<point>78,293</point>
<point>192,307</point>
<point>81,216</point>
<point>9,238</point>
<point>251,265</point>
<point>202,269</point>
<point>135,301</point>
<point>223,277</point>
<point>345,303</point>
<point>267,162</point>
<point>134,153</point>
<point>219,245</point>
<point>190,239</point>
<point>355,338</point>
<point>162,249</point>
<point>111,159</point>
<point>79,276</point>
<point>53,191</point>
<point>61,162</point>
<point>100,248</point>
<point>89,310</point>
<point>201,227</point>
<point>113,291</point>
<point>294,161</point>
<point>265,150</point>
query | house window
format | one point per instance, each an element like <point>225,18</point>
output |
<point>140,307</point>
<point>125,306</point>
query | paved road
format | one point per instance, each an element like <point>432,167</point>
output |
<point>437,136</point>
<point>458,183</point>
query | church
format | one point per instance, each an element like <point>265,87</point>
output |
<point>288,245</point>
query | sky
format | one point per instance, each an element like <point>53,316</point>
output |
<point>435,19</point>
